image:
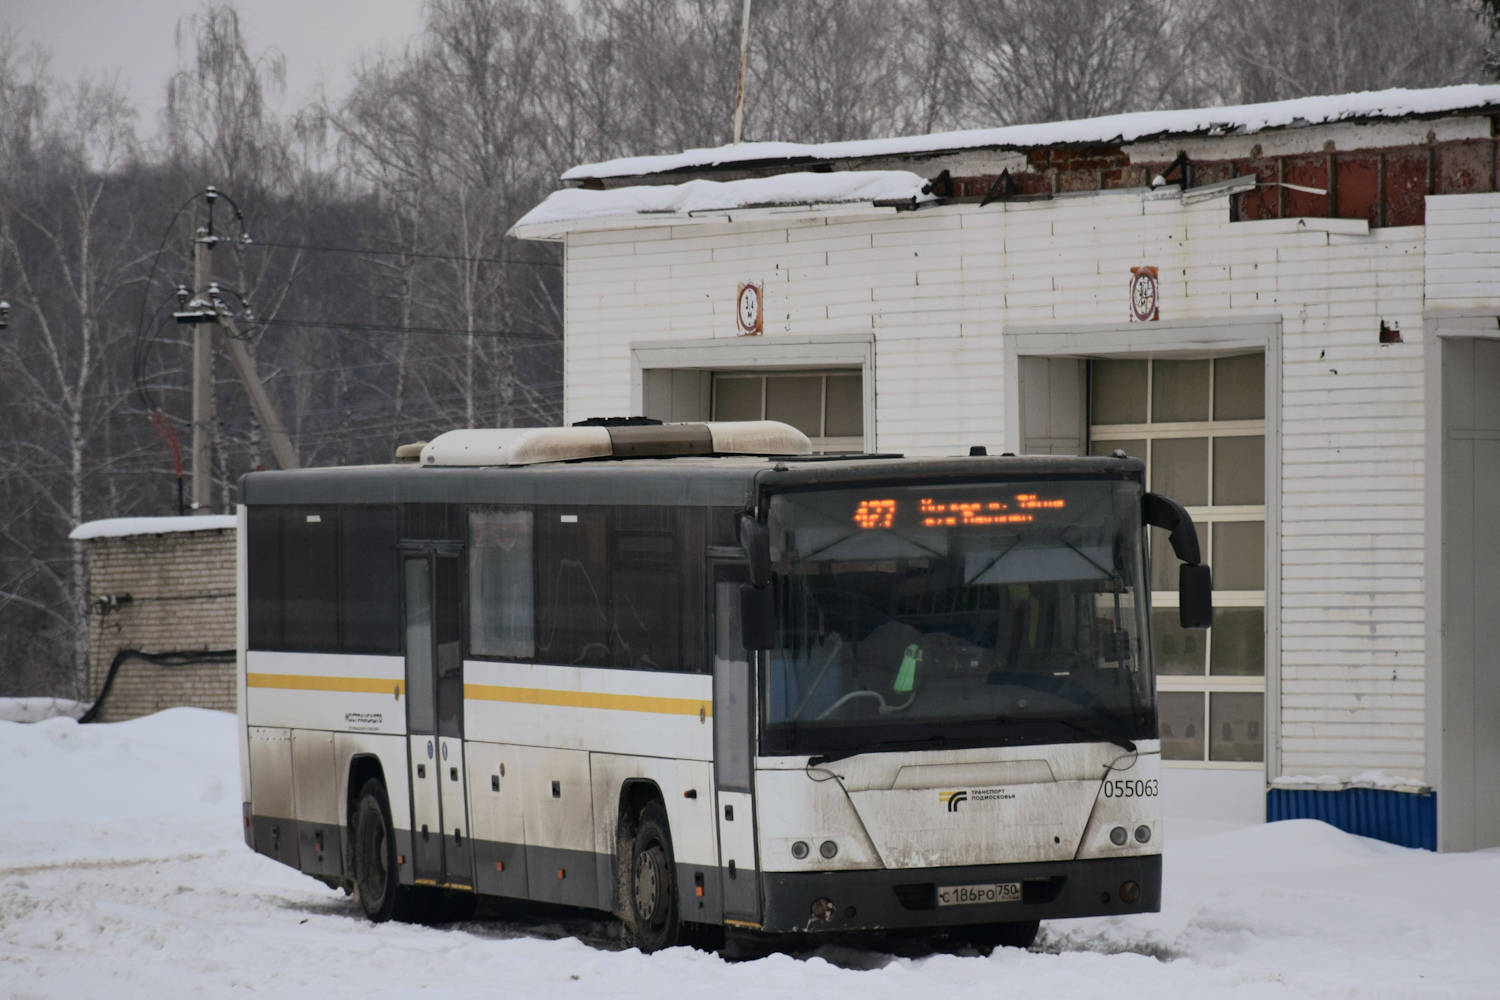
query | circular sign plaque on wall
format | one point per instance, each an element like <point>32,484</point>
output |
<point>1144,294</point>
<point>749,312</point>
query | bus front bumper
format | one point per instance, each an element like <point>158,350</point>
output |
<point>888,899</point>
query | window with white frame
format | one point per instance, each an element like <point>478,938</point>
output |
<point>1200,427</point>
<point>827,406</point>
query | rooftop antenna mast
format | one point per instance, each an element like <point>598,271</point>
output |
<point>739,97</point>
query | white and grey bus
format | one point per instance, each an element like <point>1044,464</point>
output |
<point>694,676</point>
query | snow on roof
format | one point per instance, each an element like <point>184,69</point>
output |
<point>1240,120</point>
<point>1364,779</point>
<point>122,527</point>
<point>563,209</point>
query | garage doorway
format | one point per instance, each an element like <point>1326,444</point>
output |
<point>827,405</point>
<point>1469,797</point>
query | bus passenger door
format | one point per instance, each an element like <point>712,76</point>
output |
<point>734,752</point>
<point>458,868</point>
<point>434,712</point>
<point>421,721</point>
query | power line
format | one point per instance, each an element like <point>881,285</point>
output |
<point>434,331</point>
<point>375,411</point>
<point>142,348</point>
<point>404,253</point>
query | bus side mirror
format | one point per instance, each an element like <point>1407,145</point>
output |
<point>756,540</point>
<point>1195,590</point>
<point>757,617</point>
<point>1195,596</point>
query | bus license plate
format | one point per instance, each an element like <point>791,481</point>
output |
<point>997,892</point>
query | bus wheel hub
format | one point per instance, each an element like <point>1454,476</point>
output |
<point>649,881</point>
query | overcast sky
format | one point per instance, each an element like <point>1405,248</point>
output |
<point>321,39</point>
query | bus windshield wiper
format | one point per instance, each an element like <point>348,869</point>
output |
<point>1097,733</point>
<point>883,745</point>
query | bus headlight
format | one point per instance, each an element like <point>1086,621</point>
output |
<point>799,850</point>
<point>1142,834</point>
<point>1118,836</point>
<point>828,849</point>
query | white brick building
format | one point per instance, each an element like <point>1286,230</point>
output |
<point>1321,358</point>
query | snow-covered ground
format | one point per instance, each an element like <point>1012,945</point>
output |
<point>123,874</point>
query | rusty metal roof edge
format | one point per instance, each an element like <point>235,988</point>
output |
<point>664,168</point>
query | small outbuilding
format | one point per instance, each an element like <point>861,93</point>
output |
<point>162,614</point>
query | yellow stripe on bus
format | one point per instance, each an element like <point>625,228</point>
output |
<point>589,699</point>
<point>309,682</point>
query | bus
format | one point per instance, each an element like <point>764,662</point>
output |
<point>697,677</point>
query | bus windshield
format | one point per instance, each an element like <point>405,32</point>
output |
<point>957,615</point>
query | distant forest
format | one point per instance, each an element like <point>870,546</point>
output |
<point>367,256</point>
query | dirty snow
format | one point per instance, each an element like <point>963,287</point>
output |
<point>683,200</point>
<point>123,874</point>
<point>1239,119</point>
<point>121,527</point>
<point>37,709</point>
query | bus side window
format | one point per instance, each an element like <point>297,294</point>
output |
<point>369,595</point>
<point>692,560</point>
<point>572,577</point>
<point>501,605</point>
<point>644,582</point>
<point>310,579</point>
<point>263,570</point>
<point>658,603</point>
<point>614,586</point>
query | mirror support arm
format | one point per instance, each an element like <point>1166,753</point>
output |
<point>1166,513</point>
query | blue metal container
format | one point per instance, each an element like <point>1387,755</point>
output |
<point>1405,818</point>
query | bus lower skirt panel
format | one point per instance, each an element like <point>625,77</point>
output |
<point>885,899</point>
<point>278,839</point>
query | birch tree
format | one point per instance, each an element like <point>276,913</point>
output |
<point>1052,60</point>
<point>1276,49</point>
<point>68,256</point>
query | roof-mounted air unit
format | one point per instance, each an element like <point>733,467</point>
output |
<point>613,439</point>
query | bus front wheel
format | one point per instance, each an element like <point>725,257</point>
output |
<point>653,883</point>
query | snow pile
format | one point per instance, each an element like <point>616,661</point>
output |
<point>123,874</point>
<point>122,527</point>
<point>572,205</point>
<point>149,787</point>
<point>38,709</point>
<point>1239,119</point>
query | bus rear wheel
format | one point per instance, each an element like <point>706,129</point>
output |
<point>653,883</point>
<point>377,879</point>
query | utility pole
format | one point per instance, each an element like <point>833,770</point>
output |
<point>203,376</point>
<point>739,97</point>
<point>205,311</point>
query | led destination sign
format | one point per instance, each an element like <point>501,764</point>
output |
<point>1022,508</point>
